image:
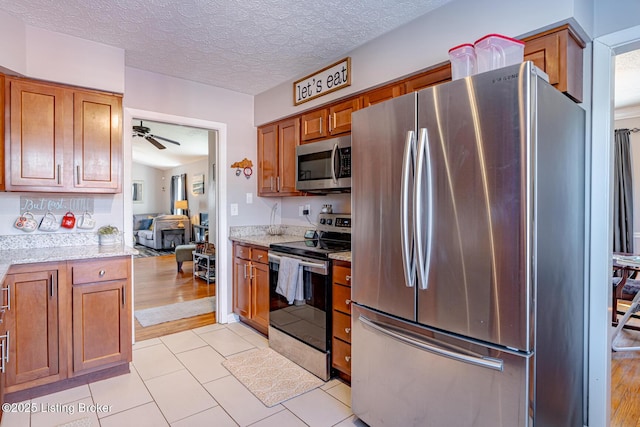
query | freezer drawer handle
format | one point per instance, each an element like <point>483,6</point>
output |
<point>484,362</point>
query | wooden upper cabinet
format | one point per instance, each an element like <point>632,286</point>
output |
<point>277,158</point>
<point>97,141</point>
<point>429,78</point>
<point>558,53</point>
<point>340,116</point>
<point>382,94</point>
<point>327,122</point>
<point>62,139</point>
<point>38,138</point>
<point>289,139</point>
<point>314,125</point>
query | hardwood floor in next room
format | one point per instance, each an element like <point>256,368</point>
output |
<point>157,283</point>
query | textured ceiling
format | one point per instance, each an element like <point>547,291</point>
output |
<point>194,145</point>
<point>627,79</point>
<point>247,46</point>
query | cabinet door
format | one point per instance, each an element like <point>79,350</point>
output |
<point>260,296</point>
<point>289,139</point>
<point>340,116</point>
<point>267,160</point>
<point>37,135</point>
<point>101,325</point>
<point>429,78</point>
<point>382,94</point>
<point>32,322</point>
<point>314,125</point>
<point>559,54</point>
<point>97,141</point>
<point>241,288</point>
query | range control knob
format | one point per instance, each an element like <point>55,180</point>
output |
<point>329,221</point>
<point>322,220</point>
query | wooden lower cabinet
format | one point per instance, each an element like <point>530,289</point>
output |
<point>251,286</point>
<point>36,348</point>
<point>341,325</point>
<point>63,320</point>
<point>101,313</point>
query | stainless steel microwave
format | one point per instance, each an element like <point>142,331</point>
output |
<point>324,166</point>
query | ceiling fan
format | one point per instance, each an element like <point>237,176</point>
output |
<point>145,132</point>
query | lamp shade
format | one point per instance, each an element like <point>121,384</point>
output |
<point>181,204</point>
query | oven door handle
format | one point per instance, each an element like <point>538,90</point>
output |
<point>277,258</point>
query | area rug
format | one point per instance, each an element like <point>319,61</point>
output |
<point>145,252</point>
<point>181,310</point>
<point>271,377</point>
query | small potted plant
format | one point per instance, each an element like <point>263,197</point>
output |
<point>107,234</point>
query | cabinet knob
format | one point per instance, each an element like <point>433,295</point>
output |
<point>347,301</point>
<point>348,278</point>
<point>347,358</point>
<point>260,256</point>
<point>347,330</point>
<point>102,273</point>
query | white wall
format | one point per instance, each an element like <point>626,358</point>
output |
<point>154,187</point>
<point>12,44</point>
<point>155,92</point>
<point>615,16</point>
<point>425,42</point>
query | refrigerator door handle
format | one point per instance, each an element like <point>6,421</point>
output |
<point>423,259</point>
<point>406,235</point>
<point>484,362</point>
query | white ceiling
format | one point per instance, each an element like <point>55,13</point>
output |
<point>194,145</point>
<point>247,46</point>
<point>627,80</point>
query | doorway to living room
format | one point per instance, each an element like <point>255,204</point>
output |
<point>190,149</point>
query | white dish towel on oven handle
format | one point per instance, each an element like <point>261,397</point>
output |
<point>290,280</point>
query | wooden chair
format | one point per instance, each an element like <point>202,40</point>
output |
<point>625,289</point>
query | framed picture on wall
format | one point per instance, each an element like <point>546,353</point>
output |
<point>198,184</point>
<point>136,191</point>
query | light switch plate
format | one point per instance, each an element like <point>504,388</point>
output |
<point>234,209</point>
<point>249,198</point>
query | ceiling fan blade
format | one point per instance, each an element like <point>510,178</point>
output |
<point>166,139</point>
<point>154,142</point>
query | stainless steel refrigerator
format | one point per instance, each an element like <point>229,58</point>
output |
<point>468,246</point>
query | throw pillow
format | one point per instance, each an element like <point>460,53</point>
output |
<point>145,224</point>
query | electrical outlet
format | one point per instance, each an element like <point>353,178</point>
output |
<point>307,210</point>
<point>249,198</point>
<point>234,209</point>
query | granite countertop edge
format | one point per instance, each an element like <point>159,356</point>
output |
<point>9,257</point>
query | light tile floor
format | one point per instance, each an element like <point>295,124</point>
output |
<point>178,380</point>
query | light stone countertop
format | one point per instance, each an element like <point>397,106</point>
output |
<point>342,256</point>
<point>60,253</point>
<point>266,240</point>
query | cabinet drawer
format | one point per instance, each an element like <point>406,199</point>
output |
<point>341,356</point>
<point>342,326</point>
<point>100,270</point>
<point>259,255</point>
<point>342,275</point>
<point>342,298</point>
<point>243,252</point>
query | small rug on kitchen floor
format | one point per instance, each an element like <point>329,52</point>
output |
<point>271,377</point>
<point>180,310</point>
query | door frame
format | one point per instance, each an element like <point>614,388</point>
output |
<point>599,192</point>
<point>222,230</point>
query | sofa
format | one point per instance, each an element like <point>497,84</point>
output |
<point>161,231</point>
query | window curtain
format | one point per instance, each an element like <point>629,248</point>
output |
<point>178,192</point>
<point>622,193</point>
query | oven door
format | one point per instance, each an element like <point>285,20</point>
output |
<point>308,319</point>
<point>324,166</point>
